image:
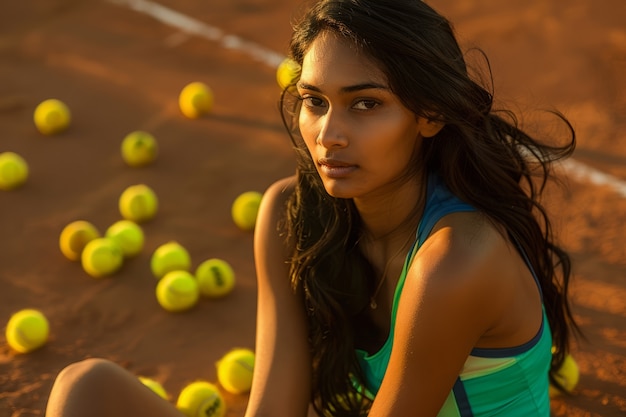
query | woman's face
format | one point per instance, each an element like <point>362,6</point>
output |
<point>360,135</point>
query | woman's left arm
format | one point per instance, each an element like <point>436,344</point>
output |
<point>448,302</point>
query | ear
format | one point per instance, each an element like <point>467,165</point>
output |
<point>429,127</point>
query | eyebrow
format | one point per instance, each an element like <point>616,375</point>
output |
<point>347,89</point>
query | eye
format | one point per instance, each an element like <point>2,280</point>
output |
<point>365,104</point>
<point>312,102</point>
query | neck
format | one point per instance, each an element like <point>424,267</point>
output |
<point>390,224</point>
<point>388,216</point>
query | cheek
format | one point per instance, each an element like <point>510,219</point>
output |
<point>307,130</point>
<point>394,139</point>
<point>397,151</point>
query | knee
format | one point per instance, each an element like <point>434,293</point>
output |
<point>81,386</point>
<point>89,379</point>
<point>88,370</point>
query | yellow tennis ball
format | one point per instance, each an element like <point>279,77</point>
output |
<point>201,399</point>
<point>215,278</point>
<point>177,291</point>
<point>75,236</point>
<point>51,116</point>
<point>138,203</point>
<point>102,257</point>
<point>567,375</point>
<point>13,170</point>
<point>128,235</point>
<point>195,100</point>
<point>139,148</point>
<point>155,386</point>
<point>27,330</point>
<point>288,73</point>
<point>235,369</point>
<point>245,209</point>
<point>170,256</point>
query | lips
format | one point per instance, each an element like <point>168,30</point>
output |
<point>334,168</point>
<point>334,163</point>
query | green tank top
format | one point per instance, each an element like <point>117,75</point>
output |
<point>511,382</point>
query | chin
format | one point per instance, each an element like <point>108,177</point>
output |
<point>339,190</point>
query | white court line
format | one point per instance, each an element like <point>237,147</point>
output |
<point>582,172</point>
<point>196,27</point>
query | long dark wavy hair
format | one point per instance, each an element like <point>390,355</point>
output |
<point>482,155</point>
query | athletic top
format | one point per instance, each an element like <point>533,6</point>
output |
<point>511,382</point>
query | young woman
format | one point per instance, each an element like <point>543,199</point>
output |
<point>408,268</point>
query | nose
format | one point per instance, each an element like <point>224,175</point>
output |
<point>332,133</point>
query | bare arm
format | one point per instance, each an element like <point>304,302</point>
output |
<point>282,374</point>
<point>459,287</point>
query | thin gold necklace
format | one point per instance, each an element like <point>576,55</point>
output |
<point>415,214</point>
<point>373,303</point>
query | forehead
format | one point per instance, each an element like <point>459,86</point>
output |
<point>331,57</point>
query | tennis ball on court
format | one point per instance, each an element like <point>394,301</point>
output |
<point>13,170</point>
<point>27,330</point>
<point>51,116</point>
<point>195,100</point>
<point>139,148</point>
<point>245,209</point>
<point>177,291</point>
<point>102,257</point>
<point>128,235</point>
<point>155,386</point>
<point>288,73</point>
<point>234,370</point>
<point>201,399</point>
<point>75,236</point>
<point>138,203</point>
<point>170,256</point>
<point>215,278</point>
<point>567,375</point>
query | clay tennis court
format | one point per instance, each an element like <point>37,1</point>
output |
<point>120,69</point>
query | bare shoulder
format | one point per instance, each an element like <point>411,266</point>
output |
<point>269,235</point>
<point>469,241</point>
<point>470,276</point>
<point>277,194</point>
<point>465,261</point>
